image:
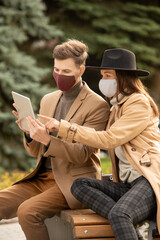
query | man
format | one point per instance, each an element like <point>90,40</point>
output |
<point>47,189</point>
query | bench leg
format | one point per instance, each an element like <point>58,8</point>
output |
<point>59,229</point>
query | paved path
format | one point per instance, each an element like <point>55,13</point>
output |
<point>11,230</point>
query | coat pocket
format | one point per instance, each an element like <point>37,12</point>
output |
<point>82,170</point>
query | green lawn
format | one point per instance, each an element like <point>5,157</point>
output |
<point>106,165</point>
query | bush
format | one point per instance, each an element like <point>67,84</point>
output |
<point>8,178</point>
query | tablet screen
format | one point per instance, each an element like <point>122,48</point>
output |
<point>24,108</point>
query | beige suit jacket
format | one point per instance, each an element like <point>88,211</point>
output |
<point>71,160</point>
<point>134,127</point>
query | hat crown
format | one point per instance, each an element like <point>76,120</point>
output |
<point>119,58</point>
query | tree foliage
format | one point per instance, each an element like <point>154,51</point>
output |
<point>28,32</point>
<point>109,24</point>
<point>21,22</point>
<point>102,24</point>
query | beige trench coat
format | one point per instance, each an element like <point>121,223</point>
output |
<point>71,160</point>
<point>134,127</point>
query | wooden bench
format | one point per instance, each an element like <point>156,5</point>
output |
<point>86,224</point>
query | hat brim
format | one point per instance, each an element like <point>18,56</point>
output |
<point>139,72</point>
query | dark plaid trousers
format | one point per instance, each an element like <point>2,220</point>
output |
<point>124,204</point>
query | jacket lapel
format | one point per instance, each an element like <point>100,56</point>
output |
<point>113,111</point>
<point>111,151</point>
<point>78,102</point>
<point>49,110</point>
<point>111,117</point>
<point>53,104</point>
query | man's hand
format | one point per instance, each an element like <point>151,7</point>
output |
<point>18,121</point>
<point>52,124</point>
<point>38,131</point>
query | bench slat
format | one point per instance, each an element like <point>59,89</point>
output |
<point>93,231</point>
<point>82,217</point>
<point>79,211</point>
<point>94,219</point>
<point>86,224</point>
<point>96,239</point>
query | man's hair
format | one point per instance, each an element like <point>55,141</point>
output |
<point>71,49</point>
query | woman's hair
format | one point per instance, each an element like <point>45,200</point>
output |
<point>72,49</point>
<point>130,80</point>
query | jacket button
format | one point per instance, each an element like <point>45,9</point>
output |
<point>133,149</point>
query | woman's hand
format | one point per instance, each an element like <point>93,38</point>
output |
<point>52,124</point>
<point>15,113</point>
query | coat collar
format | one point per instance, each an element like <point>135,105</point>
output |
<point>76,104</point>
<point>113,110</point>
<point>124,99</point>
<point>53,103</point>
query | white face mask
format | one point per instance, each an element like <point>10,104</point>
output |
<point>108,87</point>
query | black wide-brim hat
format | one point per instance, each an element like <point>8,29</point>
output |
<point>119,59</point>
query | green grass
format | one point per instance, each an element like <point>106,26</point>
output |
<point>106,165</point>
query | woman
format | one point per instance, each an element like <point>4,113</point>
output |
<point>132,139</point>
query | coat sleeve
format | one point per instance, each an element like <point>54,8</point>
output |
<point>135,117</point>
<point>78,152</point>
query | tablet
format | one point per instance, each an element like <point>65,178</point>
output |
<point>24,108</point>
